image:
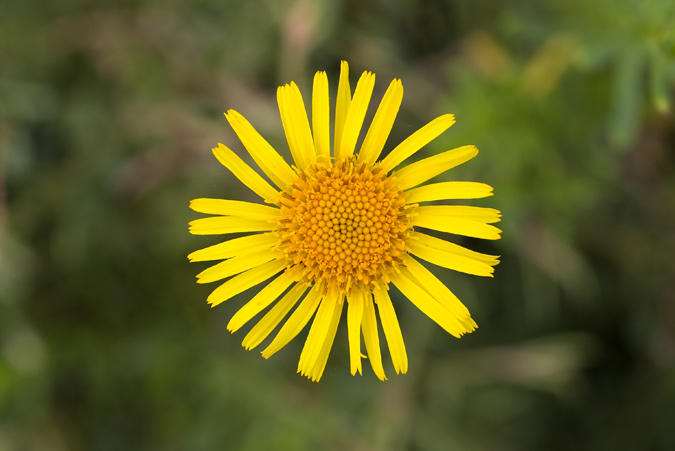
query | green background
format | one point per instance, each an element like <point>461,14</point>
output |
<point>108,112</point>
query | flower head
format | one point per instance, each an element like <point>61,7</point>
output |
<point>340,227</point>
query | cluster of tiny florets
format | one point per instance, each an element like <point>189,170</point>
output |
<point>344,224</point>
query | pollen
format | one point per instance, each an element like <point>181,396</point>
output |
<point>345,225</point>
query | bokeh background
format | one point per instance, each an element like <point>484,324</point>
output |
<point>108,112</point>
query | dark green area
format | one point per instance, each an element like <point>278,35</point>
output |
<point>108,112</point>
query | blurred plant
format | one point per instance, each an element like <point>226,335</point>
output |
<point>636,39</point>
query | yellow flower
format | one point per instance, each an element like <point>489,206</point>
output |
<point>342,226</point>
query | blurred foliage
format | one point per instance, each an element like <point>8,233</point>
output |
<point>107,114</point>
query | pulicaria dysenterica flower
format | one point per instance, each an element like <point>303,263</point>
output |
<point>340,227</point>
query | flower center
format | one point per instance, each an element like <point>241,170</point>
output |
<point>345,224</point>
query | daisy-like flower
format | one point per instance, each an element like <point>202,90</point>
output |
<point>340,227</point>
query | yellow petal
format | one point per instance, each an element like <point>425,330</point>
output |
<point>296,322</point>
<point>448,190</point>
<point>392,330</point>
<point>296,125</point>
<point>446,246</point>
<point>382,123</point>
<point>469,324</point>
<point>451,260</point>
<point>479,214</point>
<point>356,114</point>
<point>246,174</point>
<point>321,360</point>
<point>417,140</point>
<point>231,248</point>
<point>423,170</point>
<point>354,316</point>
<point>236,265</point>
<point>261,300</point>
<point>371,337</point>
<point>272,318</point>
<point>244,281</point>
<point>458,226</point>
<point>262,152</point>
<point>219,225</point>
<point>436,288</point>
<point>321,115</point>
<point>317,334</point>
<point>426,303</point>
<point>235,208</point>
<point>344,99</point>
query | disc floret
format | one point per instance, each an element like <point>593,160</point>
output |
<point>345,224</point>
